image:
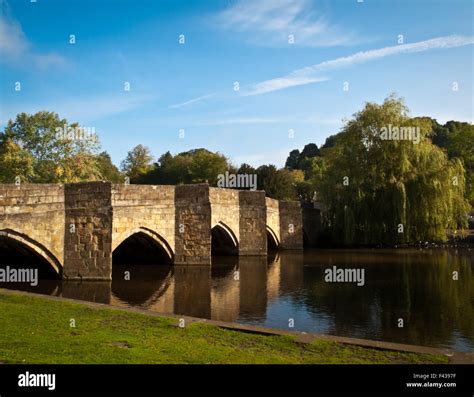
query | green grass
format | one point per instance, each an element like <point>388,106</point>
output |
<point>37,330</point>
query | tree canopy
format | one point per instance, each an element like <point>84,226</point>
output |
<point>392,191</point>
<point>46,149</point>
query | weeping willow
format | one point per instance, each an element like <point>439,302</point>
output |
<point>388,191</point>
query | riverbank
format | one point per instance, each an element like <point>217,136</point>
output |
<point>50,330</point>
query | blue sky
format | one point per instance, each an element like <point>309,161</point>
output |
<point>282,86</point>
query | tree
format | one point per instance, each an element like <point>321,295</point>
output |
<point>293,159</point>
<point>246,169</point>
<point>460,144</point>
<point>390,191</point>
<point>278,184</point>
<point>296,159</point>
<point>51,149</point>
<point>330,142</point>
<point>310,150</point>
<point>107,169</point>
<point>137,163</point>
<point>193,166</point>
<point>15,163</point>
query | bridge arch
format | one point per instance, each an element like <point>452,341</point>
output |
<point>22,241</point>
<point>146,238</point>
<point>273,242</point>
<point>224,240</point>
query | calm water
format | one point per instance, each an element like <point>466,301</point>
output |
<point>415,285</point>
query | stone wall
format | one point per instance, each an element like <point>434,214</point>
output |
<point>252,223</point>
<point>192,225</point>
<point>145,208</point>
<point>291,225</point>
<point>225,209</point>
<point>34,215</point>
<point>88,231</point>
<point>273,218</point>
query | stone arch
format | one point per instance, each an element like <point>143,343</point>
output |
<point>150,234</point>
<point>272,238</point>
<point>224,240</point>
<point>33,246</point>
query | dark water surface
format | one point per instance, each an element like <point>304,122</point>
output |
<point>410,284</point>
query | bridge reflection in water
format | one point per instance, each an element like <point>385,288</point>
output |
<point>415,285</point>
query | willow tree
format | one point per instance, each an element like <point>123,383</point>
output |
<point>390,187</point>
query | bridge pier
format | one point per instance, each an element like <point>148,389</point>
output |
<point>252,223</point>
<point>192,225</point>
<point>88,231</point>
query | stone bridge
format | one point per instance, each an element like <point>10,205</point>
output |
<point>76,230</point>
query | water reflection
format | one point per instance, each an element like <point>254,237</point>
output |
<point>414,285</point>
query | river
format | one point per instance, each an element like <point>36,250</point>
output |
<point>416,288</point>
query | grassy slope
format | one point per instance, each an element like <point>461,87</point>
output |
<point>37,330</point>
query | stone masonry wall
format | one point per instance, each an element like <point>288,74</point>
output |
<point>273,216</point>
<point>225,208</point>
<point>291,225</point>
<point>36,213</point>
<point>192,225</point>
<point>88,246</point>
<point>143,206</point>
<point>253,223</point>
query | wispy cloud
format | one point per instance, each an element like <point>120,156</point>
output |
<point>192,101</point>
<point>313,74</point>
<point>280,83</point>
<point>243,120</point>
<point>15,48</point>
<point>270,22</point>
<point>84,110</point>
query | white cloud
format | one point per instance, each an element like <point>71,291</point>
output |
<point>270,22</point>
<point>280,83</point>
<point>191,101</point>
<point>243,120</point>
<point>15,48</point>
<point>12,38</point>
<point>312,74</point>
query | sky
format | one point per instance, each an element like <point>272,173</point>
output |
<point>250,79</point>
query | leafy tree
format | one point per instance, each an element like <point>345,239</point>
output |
<point>42,149</point>
<point>460,144</point>
<point>206,166</point>
<point>309,151</point>
<point>137,163</point>
<point>107,169</point>
<point>390,191</point>
<point>14,162</point>
<point>246,169</point>
<point>278,184</point>
<point>330,142</point>
<point>293,159</point>
<point>194,166</point>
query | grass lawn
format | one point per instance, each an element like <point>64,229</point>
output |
<point>37,330</point>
